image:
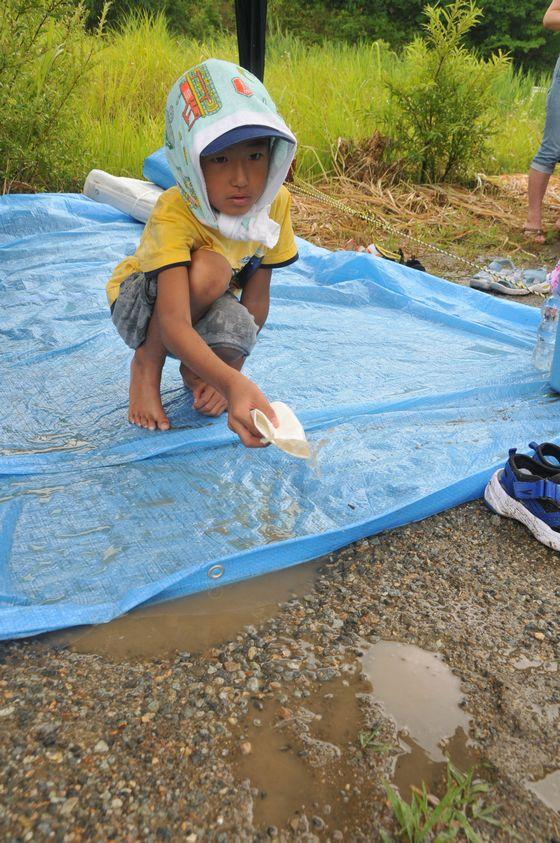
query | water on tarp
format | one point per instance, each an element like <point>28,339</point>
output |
<point>412,687</point>
<point>191,623</point>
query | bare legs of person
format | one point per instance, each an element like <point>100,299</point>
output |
<point>537,184</point>
<point>144,398</point>
<point>209,277</point>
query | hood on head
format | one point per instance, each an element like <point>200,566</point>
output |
<point>213,99</point>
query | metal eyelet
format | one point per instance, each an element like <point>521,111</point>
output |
<point>215,572</point>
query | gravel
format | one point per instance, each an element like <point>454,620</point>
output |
<point>150,750</point>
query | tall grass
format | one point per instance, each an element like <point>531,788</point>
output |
<point>324,92</point>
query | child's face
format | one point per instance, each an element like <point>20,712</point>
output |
<point>236,177</point>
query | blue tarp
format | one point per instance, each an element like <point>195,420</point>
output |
<point>411,389</point>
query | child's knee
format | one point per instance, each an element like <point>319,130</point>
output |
<point>228,328</point>
<point>209,274</point>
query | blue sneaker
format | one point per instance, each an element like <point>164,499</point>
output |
<point>529,492</point>
<point>547,453</point>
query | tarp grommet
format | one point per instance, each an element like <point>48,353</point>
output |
<point>215,572</point>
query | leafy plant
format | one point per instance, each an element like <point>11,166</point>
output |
<point>367,741</point>
<point>45,56</point>
<point>450,818</point>
<point>441,113</point>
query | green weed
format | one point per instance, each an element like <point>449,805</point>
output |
<point>441,117</point>
<point>449,818</point>
<point>45,59</point>
<point>367,741</point>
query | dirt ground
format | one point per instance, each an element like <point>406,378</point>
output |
<point>264,732</point>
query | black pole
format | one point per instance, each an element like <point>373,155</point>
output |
<point>250,17</point>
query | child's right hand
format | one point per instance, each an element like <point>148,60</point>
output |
<point>244,396</point>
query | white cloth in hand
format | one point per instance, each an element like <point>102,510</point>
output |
<point>289,436</point>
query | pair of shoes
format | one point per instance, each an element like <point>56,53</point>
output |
<point>528,490</point>
<point>536,235</point>
<point>502,276</point>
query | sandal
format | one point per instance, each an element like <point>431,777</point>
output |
<point>530,493</point>
<point>547,454</point>
<point>536,235</point>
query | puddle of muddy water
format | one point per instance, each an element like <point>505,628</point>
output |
<point>413,688</point>
<point>306,772</point>
<point>191,623</point>
<point>548,790</point>
<point>423,698</point>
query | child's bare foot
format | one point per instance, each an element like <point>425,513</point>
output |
<point>145,408</point>
<point>206,399</point>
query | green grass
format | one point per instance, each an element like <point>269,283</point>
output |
<point>115,116</point>
<point>324,92</point>
<point>449,818</point>
<point>367,740</point>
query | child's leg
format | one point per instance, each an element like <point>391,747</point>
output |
<point>209,277</point>
<point>145,407</point>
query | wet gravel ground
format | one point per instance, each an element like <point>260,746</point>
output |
<point>97,750</point>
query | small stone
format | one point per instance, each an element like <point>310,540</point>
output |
<point>5,712</point>
<point>318,823</point>
<point>245,747</point>
<point>272,831</point>
<point>253,684</point>
<point>251,653</point>
<point>540,636</point>
<point>116,802</point>
<point>69,806</point>
<point>100,747</point>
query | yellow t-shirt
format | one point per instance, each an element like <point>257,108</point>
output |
<point>173,232</point>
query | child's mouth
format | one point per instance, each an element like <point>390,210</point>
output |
<point>240,201</point>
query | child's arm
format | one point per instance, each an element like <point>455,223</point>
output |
<point>179,337</point>
<point>256,294</point>
<point>551,18</point>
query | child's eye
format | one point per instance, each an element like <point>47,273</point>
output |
<point>255,156</point>
<point>219,159</point>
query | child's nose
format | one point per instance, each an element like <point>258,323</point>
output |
<point>239,174</point>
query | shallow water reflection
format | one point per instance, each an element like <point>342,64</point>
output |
<point>191,623</point>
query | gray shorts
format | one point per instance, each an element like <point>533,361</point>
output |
<point>549,152</point>
<point>226,323</point>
